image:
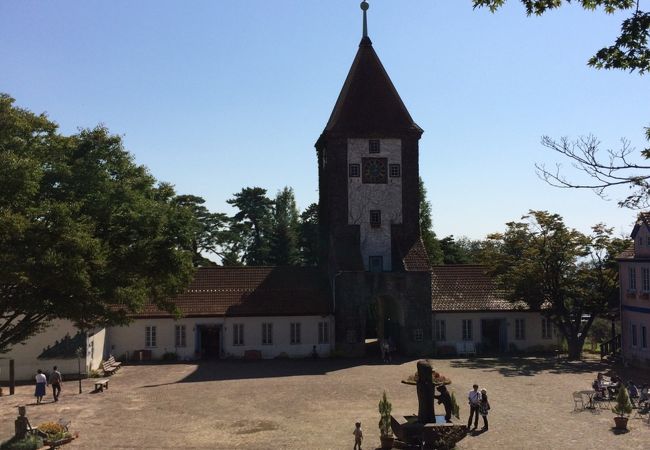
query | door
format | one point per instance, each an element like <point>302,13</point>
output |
<point>490,335</point>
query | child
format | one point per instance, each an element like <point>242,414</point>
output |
<point>484,407</point>
<point>358,436</point>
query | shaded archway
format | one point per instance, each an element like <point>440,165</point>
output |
<point>382,322</point>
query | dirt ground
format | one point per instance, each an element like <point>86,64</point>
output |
<point>292,404</point>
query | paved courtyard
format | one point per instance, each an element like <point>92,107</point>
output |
<point>291,404</point>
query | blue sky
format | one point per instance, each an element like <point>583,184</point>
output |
<point>213,96</point>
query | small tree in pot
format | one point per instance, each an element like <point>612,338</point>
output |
<point>622,409</point>
<point>386,434</point>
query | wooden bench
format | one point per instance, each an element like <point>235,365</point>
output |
<point>101,384</point>
<point>114,363</point>
<point>110,366</point>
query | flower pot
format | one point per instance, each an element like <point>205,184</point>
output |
<point>621,423</point>
<point>387,442</point>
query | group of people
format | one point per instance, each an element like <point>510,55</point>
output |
<point>607,389</point>
<point>56,380</point>
<point>478,404</point>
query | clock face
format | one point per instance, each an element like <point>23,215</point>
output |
<point>375,170</point>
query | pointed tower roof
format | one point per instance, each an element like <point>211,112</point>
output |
<point>369,103</point>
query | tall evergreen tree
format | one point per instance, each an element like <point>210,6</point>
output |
<point>309,235</point>
<point>284,238</point>
<point>254,221</point>
<point>431,243</point>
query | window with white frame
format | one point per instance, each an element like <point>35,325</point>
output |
<point>633,331</point>
<point>150,336</point>
<point>418,335</point>
<point>547,328</point>
<point>323,332</point>
<point>180,336</point>
<point>644,337</point>
<point>294,337</point>
<point>520,329</point>
<point>468,332</point>
<point>440,330</point>
<point>238,334</point>
<point>645,275</point>
<point>632,279</point>
<point>267,334</point>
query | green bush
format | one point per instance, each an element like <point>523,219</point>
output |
<point>623,404</point>
<point>385,409</point>
<point>30,442</point>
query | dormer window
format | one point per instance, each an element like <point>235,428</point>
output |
<point>373,146</point>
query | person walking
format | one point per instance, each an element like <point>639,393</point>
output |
<point>474,398</point>
<point>484,407</point>
<point>41,382</point>
<point>55,381</point>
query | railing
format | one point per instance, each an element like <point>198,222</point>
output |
<point>611,347</point>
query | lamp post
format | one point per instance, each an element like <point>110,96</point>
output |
<point>79,352</point>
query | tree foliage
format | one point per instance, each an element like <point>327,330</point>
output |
<point>614,168</point>
<point>309,235</point>
<point>431,243</point>
<point>284,238</point>
<point>254,218</point>
<point>557,270</point>
<point>85,233</point>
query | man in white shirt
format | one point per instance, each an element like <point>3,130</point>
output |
<point>474,398</point>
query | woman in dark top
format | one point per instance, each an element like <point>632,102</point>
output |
<point>484,407</point>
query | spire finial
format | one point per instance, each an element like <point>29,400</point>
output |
<point>364,8</point>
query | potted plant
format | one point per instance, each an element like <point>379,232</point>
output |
<point>622,409</point>
<point>386,434</point>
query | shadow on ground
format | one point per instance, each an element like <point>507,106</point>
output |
<point>529,365</point>
<point>221,370</point>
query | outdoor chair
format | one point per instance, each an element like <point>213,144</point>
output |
<point>578,400</point>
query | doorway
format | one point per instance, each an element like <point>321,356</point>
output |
<point>209,341</point>
<point>492,335</point>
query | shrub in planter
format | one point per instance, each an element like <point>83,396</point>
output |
<point>386,433</point>
<point>30,442</point>
<point>622,409</point>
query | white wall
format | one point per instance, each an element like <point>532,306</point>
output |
<point>385,197</point>
<point>123,341</point>
<point>532,320</point>
<point>25,356</point>
<point>95,349</point>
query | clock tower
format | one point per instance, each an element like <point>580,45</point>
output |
<point>369,202</point>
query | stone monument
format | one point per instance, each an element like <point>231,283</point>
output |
<point>426,430</point>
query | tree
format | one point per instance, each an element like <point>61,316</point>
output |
<point>85,233</point>
<point>431,243</point>
<point>461,251</point>
<point>309,235</point>
<point>630,51</point>
<point>616,168</point>
<point>210,234</point>
<point>568,276</point>
<point>284,238</point>
<point>254,221</point>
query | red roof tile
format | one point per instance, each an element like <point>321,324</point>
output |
<point>467,288</point>
<point>252,291</point>
<point>415,259</point>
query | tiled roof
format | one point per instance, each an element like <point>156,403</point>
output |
<point>628,253</point>
<point>252,291</point>
<point>467,288</point>
<point>642,219</point>
<point>368,102</point>
<point>415,259</point>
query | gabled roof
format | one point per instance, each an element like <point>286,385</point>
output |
<point>642,219</point>
<point>465,288</point>
<point>415,258</point>
<point>251,291</point>
<point>369,103</point>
